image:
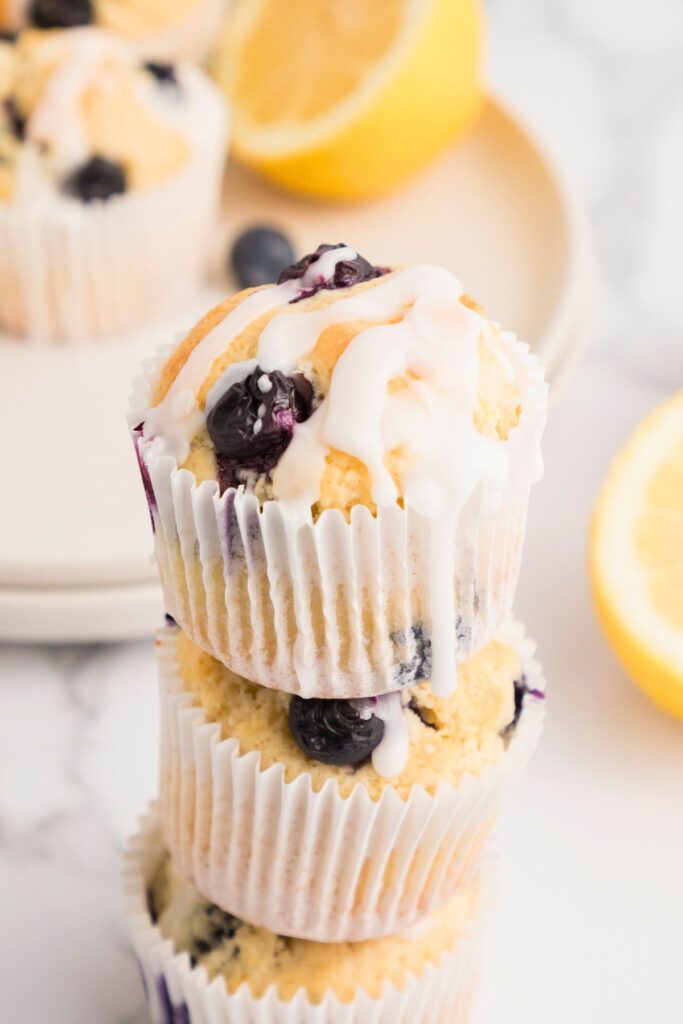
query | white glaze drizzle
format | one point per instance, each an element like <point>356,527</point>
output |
<point>164,420</point>
<point>88,57</point>
<point>56,120</point>
<point>324,267</point>
<point>434,348</point>
<point>390,756</point>
<point>176,419</point>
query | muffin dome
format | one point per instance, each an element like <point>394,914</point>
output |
<point>420,740</point>
<point>345,384</point>
<point>82,116</point>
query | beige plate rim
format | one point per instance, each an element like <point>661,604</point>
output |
<point>88,601</point>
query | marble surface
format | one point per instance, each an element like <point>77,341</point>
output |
<point>589,922</point>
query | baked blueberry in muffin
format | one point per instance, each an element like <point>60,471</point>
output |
<point>60,13</point>
<point>251,425</point>
<point>384,397</point>
<point>410,737</point>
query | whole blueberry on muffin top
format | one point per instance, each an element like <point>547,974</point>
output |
<point>254,421</point>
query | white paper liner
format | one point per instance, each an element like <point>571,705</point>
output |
<point>72,271</point>
<point>192,38</point>
<point>317,865</point>
<point>333,609</point>
<point>177,993</point>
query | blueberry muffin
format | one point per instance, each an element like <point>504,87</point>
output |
<point>119,130</point>
<point>369,439</point>
<point>101,154</point>
<point>338,820</point>
<point>169,28</point>
<point>245,955</point>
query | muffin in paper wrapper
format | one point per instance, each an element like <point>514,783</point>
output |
<point>333,608</point>
<point>316,865</point>
<point>74,271</point>
<point>177,993</point>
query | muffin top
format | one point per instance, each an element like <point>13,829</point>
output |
<point>345,384</point>
<point>225,946</point>
<point>131,18</point>
<point>83,117</point>
<point>404,739</point>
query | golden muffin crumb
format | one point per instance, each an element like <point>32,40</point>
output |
<point>449,737</point>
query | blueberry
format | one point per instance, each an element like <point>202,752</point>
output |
<point>164,998</point>
<point>60,13</point>
<point>181,1014</point>
<point>152,904</point>
<point>169,620</point>
<point>15,119</point>
<point>221,925</point>
<point>335,732</point>
<point>413,654</point>
<point>145,477</point>
<point>258,255</point>
<point>8,37</point>
<point>521,690</point>
<point>346,273</point>
<point>253,423</point>
<point>165,74</point>
<point>96,179</point>
<point>214,928</point>
<point>421,714</point>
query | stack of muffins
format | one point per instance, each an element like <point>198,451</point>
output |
<point>338,470</point>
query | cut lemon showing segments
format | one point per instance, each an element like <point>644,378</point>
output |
<point>347,98</point>
<point>636,556</point>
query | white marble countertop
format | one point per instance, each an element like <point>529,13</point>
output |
<point>589,925</point>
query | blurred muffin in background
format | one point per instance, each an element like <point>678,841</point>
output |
<point>347,99</point>
<point>168,29</point>
<point>109,182</point>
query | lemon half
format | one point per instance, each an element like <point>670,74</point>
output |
<point>347,98</point>
<point>636,556</point>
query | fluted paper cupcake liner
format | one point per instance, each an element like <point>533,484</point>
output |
<point>72,271</point>
<point>177,993</point>
<point>317,865</point>
<point>335,608</point>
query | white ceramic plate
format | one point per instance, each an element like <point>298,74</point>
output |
<point>75,542</point>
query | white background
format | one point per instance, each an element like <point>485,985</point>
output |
<point>590,923</point>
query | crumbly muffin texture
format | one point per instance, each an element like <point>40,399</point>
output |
<point>225,946</point>
<point>448,737</point>
<point>345,479</point>
<point>81,114</point>
<point>130,18</point>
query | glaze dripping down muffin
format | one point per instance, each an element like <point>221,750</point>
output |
<point>357,443</point>
<point>352,372</point>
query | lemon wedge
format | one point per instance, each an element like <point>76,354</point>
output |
<point>347,98</point>
<point>636,556</point>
